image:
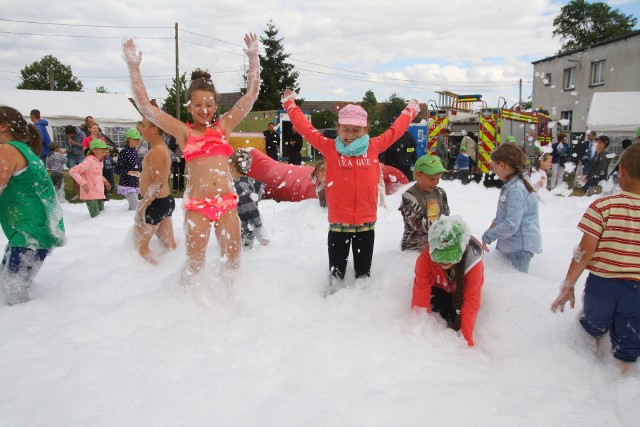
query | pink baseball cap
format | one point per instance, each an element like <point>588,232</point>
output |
<point>352,114</point>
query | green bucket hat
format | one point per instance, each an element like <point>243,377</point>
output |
<point>133,133</point>
<point>448,239</point>
<point>429,165</point>
<point>511,139</point>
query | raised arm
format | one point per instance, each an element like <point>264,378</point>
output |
<point>399,126</point>
<point>158,117</point>
<point>245,104</point>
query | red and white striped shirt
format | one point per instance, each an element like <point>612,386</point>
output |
<point>615,222</point>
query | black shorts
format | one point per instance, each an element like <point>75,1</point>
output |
<point>159,209</point>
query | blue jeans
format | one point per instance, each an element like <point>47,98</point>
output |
<point>520,260</point>
<point>19,267</point>
<point>613,305</point>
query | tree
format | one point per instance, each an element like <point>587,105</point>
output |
<point>324,119</point>
<point>169,105</point>
<point>581,24</point>
<point>101,89</point>
<point>275,75</point>
<point>391,109</point>
<point>38,76</point>
<point>370,105</point>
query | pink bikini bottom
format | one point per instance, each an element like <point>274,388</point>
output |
<point>212,208</point>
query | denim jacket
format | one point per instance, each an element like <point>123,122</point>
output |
<point>517,226</point>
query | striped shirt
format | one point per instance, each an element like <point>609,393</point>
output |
<point>615,222</point>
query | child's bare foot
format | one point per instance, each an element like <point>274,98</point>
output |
<point>601,348</point>
<point>624,367</point>
<point>146,254</point>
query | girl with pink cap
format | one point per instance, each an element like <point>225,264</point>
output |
<point>352,174</point>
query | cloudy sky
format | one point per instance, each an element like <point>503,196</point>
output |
<point>342,48</point>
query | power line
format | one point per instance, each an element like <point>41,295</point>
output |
<point>79,25</point>
<point>212,48</point>
<point>84,37</point>
<point>208,37</point>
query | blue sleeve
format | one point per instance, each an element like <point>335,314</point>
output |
<point>516,202</point>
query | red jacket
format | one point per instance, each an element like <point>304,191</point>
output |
<point>429,274</point>
<point>352,182</point>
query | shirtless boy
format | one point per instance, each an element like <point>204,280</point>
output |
<point>153,215</point>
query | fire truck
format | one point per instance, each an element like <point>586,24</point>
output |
<point>463,114</point>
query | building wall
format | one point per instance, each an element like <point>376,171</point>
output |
<point>621,73</point>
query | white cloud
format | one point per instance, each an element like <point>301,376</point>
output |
<point>481,47</point>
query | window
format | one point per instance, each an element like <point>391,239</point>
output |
<point>597,73</point>
<point>566,118</point>
<point>547,79</point>
<point>569,78</point>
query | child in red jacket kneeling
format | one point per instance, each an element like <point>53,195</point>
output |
<point>450,274</point>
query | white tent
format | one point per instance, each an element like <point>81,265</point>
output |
<point>614,112</point>
<point>113,112</point>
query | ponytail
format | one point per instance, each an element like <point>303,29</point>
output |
<point>20,129</point>
<point>34,140</point>
<point>525,181</point>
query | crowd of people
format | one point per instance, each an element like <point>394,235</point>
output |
<point>449,269</point>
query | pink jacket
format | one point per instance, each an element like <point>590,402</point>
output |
<point>89,172</point>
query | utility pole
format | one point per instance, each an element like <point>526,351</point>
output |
<point>51,79</point>
<point>177,77</point>
<point>520,95</point>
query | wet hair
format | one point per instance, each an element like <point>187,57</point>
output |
<point>630,161</point>
<point>509,154</point>
<point>537,159</point>
<point>161,132</point>
<point>70,130</point>
<point>321,164</point>
<point>35,113</point>
<point>20,129</point>
<point>446,130</point>
<point>626,143</point>
<point>201,80</point>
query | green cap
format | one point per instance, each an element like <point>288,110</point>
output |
<point>98,143</point>
<point>463,148</point>
<point>638,133</point>
<point>429,165</point>
<point>511,139</point>
<point>132,133</point>
<point>448,239</point>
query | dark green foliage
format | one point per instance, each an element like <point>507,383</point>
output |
<point>37,76</point>
<point>582,24</point>
<point>275,74</point>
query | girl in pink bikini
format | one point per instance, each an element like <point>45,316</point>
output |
<point>210,195</point>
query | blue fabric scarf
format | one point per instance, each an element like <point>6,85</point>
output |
<point>358,147</point>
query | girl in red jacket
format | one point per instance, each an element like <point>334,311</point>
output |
<point>450,274</point>
<point>353,172</point>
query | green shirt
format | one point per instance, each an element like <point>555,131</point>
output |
<point>30,215</point>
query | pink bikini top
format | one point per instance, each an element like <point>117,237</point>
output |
<point>211,143</point>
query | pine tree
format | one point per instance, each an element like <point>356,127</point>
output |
<point>169,105</point>
<point>275,75</point>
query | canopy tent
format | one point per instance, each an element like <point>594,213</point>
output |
<point>113,112</point>
<point>614,112</point>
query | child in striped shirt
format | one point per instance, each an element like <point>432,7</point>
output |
<point>610,250</point>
